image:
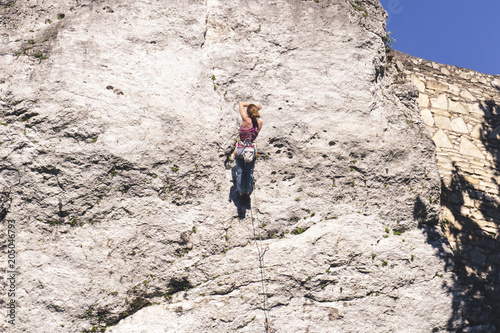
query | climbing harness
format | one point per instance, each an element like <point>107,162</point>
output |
<point>245,150</point>
<point>261,252</point>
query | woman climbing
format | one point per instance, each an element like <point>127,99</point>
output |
<point>250,128</point>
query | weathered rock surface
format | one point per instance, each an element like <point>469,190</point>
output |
<point>117,121</point>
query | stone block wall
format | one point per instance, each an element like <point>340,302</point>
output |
<point>461,110</point>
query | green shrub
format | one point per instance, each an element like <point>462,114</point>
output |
<point>388,42</point>
<point>299,231</point>
<point>40,55</point>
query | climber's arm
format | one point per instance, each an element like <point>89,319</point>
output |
<point>243,112</point>
<point>259,125</point>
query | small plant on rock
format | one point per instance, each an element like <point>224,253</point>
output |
<point>40,55</point>
<point>388,42</point>
<point>357,6</point>
<point>299,231</point>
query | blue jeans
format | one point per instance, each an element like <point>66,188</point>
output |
<point>244,176</point>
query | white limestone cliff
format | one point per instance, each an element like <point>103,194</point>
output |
<point>118,118</point>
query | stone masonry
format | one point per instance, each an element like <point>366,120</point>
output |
<point>461,109</point>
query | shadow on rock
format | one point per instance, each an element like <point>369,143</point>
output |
<point>5,202</point>
<point>471,225</point>
<point>476,252</point>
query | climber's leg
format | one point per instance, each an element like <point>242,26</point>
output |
<point>249,177</point>
<point>240,165</point>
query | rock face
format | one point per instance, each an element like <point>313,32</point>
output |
<point>118,119</point>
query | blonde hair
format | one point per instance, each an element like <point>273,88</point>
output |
<point>253,112</point>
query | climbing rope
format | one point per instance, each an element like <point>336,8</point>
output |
<point>261,252</point>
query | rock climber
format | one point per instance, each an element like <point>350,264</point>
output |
<point>249,129</point>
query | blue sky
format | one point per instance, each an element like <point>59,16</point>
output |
<point>464,33</point>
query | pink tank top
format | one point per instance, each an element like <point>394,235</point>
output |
<point>249,134</point>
